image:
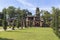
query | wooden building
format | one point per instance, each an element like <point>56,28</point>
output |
<point>35,20</point>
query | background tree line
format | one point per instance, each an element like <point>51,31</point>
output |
<point>12,12</point>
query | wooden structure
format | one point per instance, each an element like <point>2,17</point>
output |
<point>35,20</point>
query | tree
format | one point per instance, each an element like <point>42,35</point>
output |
<point>24,17</point>
<point>55,21</point>
<point>47,18</point>
<point>53,16</point>
<point>11,14</point>
<point>1,15</point>
<point>13,24</point>
<point>4,19</point>
<point>18,11</point>
<point>11,11</point>
<point>1,18</point>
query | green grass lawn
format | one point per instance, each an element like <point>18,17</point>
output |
<point>29,34</point>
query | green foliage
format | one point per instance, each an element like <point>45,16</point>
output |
<point>46,17</point>
<point>55,21</point>
<point>18,17</point>
<point>4,19</point>
<point>4,25</point>
<point>11,11</point>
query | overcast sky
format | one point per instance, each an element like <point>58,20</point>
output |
<point>30,4</point>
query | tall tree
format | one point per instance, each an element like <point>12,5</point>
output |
<point>11,14</point>
<point>4,19</point>
<point>53,16</point>
<point>11,11</point>
<point>18,11</point>
<point>56,20</point>
<point>47,17</point>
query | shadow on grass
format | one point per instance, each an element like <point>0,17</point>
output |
<point>12,31</point>
<point>15,30</point>
<point>5,39</point>
<point>18,31</point>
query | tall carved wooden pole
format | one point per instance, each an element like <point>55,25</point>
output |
<point>38,15</point>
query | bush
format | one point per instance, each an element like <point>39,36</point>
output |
<point>4,25</point>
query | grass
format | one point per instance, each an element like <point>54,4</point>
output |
<point>29,34</point>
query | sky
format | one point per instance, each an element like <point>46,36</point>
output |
<point>30,4</point>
